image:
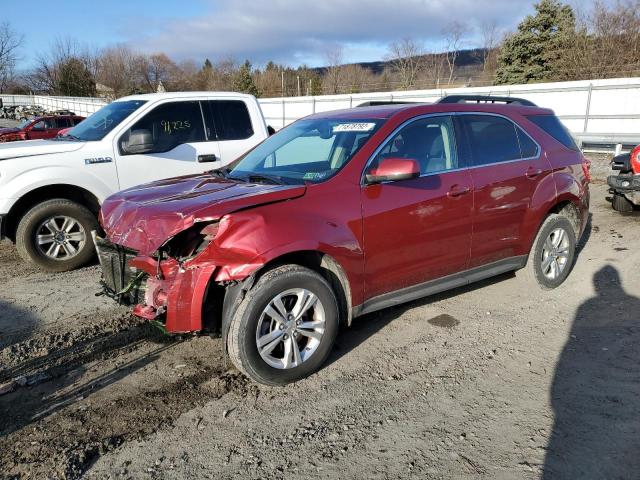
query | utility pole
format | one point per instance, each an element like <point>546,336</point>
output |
<point>299,94</point>
<point>283,83</point>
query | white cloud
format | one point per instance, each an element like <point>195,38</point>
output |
<point>297,32</point>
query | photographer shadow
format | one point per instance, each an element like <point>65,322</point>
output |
<point>596,389</point>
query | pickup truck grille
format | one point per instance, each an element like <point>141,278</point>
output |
<point>119,281</point>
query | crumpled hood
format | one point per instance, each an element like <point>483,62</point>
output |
<point>143,218</point>
<point>30,148</point>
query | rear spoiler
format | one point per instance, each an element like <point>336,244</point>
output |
<point>486,99</point>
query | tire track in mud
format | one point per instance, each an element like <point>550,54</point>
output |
<point>58,427</point>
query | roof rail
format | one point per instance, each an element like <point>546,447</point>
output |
<point>379,103</point>
<point>486,99</point>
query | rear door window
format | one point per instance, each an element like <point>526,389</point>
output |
<point>228,120</point>
<point>552,125</point>
<point>493,139</point>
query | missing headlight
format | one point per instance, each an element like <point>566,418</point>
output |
<point>192,241</point>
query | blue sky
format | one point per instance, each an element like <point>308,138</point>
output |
<point>289,31</point>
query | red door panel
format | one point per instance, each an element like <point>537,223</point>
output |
<point>416,230</point>
<point>502,198</point>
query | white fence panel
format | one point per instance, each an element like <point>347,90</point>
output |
<point>593,110</point>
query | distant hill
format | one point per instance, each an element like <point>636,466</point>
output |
<point>469,61</point>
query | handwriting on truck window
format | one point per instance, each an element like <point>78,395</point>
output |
<point>170,126</point>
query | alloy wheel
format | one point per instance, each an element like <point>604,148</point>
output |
<point>555,254</point>
<point>60,237</point>
<point>290,328</point>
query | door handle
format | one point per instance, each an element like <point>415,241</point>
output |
<point>457,190</point>
<point>533,172</point>
<point>207,158</point>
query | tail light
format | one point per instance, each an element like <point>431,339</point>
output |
<point>635,160</point>
<point>586,168</point>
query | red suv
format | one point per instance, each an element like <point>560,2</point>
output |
<point>39,128</point>
<point>344,213</point>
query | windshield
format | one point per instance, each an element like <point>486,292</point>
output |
<point>98,125</point>
<point>307,151</point>
<point>24,123</point>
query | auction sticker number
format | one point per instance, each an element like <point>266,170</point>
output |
<point>353,127</point>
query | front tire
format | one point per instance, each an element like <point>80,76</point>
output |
<point>621,204</point>
<point>285,327</point>
<point>56,235</point>
<point>552,254</point>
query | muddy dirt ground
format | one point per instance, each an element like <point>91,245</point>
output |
<point>489,381</point>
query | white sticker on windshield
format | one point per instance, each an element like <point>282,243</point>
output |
<point>353,127</point>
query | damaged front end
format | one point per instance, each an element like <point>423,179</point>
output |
<point>162,286</point>
<point>120,280</point>
<point>172,245</point>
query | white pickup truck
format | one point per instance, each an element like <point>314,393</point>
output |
<point>51,190</point>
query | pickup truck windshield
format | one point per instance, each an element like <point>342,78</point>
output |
<point>104,120</point>
<point>307,151</point>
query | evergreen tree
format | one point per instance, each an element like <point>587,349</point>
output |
<point>243,81</point>
<point>75,80</point>
<point>532,53</point>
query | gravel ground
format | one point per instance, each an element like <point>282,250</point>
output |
<point>488,381</point>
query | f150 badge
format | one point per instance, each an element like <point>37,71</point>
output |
<point>91,161</point>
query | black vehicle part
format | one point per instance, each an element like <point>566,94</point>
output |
<point>621,204</point>
<point>378,103</point>
<point>622,163</point>
<point>486,99</point>
<point>119,281</point>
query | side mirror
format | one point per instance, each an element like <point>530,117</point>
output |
<point>393,169</point>
<point>140,141</point>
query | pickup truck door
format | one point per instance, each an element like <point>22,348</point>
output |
<point>169,141</point>
<point>230,121</point>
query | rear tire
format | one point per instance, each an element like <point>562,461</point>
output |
<point>261,341</point>
<point>552,255</point>
<point>621,204</point>
<point>56,235</point>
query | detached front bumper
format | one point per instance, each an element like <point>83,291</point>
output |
<point>159,290</point>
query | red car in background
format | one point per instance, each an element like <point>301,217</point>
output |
<point>39,128</point>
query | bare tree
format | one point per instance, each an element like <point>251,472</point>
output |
<point>10,42</point>
<point>453,35</point>
<point>117,70</point>
<point>434,68</point>
<point>606,43</point>
<point>334,70</point>
<point>490,38</point>
<point>406,58</point>
<point>46,75</point>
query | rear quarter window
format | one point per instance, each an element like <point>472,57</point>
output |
<point>554,127</point>
<point>231,119</point>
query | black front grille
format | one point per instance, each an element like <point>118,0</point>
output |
<point>119,280</point>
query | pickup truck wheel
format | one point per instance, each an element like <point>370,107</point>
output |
<point>56,235</point>
<point>621,204</point>
<point>552,255</point>
<point>284,328</point>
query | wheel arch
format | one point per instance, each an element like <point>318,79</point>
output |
<point>220,300</point>
<point>48,192</point>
